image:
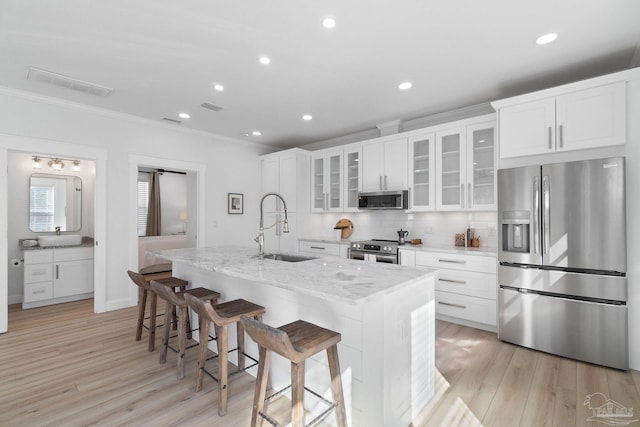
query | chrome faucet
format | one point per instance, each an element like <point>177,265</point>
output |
<point>285,228</point>
<point>57,231</point>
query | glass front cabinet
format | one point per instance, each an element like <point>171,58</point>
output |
<point>352,178</point>
<point>422,172</point>
<point>326,181</point>
<point>465,165</point>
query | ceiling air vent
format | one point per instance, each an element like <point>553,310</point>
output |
<point>167,119</point>
<point>67,82</point>
<point>210,106</point>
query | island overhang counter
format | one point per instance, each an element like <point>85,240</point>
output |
<point>385,314</point>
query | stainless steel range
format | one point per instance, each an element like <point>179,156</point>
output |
<point>375,251</point>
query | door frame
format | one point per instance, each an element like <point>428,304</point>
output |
<point>57,149</point>
<point>135,162</point>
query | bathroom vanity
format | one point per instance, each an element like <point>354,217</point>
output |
<point>57,275</point>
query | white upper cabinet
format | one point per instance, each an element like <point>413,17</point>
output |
<point>451,169</point>
<point>465,168</point>
<point>352,177</point>
<point>577,120</point>
<point>283,173</point>
<point>422,172</point>
<point>326,181</point>
<point>384,165</point>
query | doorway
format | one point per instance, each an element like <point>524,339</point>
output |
<point>193,225</point>
<point>54,149</point>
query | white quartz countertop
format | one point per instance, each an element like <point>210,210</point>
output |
<point>350,281</point>
<point>345,242</point>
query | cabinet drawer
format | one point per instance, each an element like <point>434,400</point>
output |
<point>72,254</point>
<point>475,309</point>
<point>470,283</point>
<point>37,291</point>
<point>35,273</point>
<point>482,264</point>
<point>38,256</point>
<point>319,248</point>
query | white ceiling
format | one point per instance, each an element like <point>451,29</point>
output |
<point>162,57</point>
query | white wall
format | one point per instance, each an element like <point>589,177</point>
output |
<point>19,170</point>
<point>231,166</point>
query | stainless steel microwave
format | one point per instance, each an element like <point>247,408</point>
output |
<point>384,200</point>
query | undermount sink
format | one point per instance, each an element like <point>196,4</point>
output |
<point>287,258</point>
<point>62,240</point>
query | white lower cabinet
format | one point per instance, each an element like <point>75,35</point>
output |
<point>57,275</point>
<point>465,286</point>
<point>315,247</point>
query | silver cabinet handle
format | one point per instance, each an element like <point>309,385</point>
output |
<point>57,271</point>
<point>454,261</point>
<point>462,195</point>
<point>40,291</point>
<point>546,220</point>
<point>464,307</point>
<point>326,201</point>
<point>462,282</point>
<point>386,187</point>
<point>380,185</point>
<point>469,194</point>
<point>536,214</point>
<point>317,247</point>
<point>550,143</point>
<point>561,136</point>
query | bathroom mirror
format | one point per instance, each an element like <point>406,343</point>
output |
<point>55,201</point>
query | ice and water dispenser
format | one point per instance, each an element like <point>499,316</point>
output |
<point>515,231</point>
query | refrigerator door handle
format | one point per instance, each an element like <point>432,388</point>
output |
<point>550,138</point>
<point>536,214</point>
<point>546,220</point>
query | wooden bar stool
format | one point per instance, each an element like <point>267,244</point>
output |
<point>144,288</point>
<point>297,342</point>
<point>222,315</point>
<point>175,300</point>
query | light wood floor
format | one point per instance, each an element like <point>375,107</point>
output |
<point>63,365</point>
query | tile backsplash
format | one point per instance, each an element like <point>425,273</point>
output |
<point>436,228</point>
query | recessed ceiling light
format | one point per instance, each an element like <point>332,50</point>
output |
<point>264,60</point>
<point>256,133</point>
<point>307,117</point>
<point>405,85</point>
<point>547,38</point>
<point>218,87</point>
<point>184,115</point>
<point>329,23</point>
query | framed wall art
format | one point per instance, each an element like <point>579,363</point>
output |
<point>235,203</point>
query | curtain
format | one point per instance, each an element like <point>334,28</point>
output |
<point>154,217</point>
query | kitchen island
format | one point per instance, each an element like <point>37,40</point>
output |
<point>385,314</point>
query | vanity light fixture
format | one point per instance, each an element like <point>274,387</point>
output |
<point>36,162</point>
<point>56,164</point>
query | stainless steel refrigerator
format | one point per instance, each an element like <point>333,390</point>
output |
<point>562,259</point>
